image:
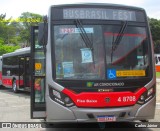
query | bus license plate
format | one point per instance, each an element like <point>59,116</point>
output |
<point>106,118</point>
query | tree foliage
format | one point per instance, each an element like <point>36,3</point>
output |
<point>7,32</point>
<point>157,47</point>
<point>155,30</point>
<point>7,49</point>
<point>16,34</point>
<point>28,19</point>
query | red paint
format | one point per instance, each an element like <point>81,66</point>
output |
<point>21,82</point>
<point>157,68</point>
<point>99,98</point>
<point>8,82</point>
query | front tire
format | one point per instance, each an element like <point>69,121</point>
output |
<point>14,86</point>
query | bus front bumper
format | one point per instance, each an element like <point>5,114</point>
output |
<point>57,113</point>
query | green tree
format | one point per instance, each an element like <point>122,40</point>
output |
<point>155,29</point>
<point>157,47</point>
<point>1,41</point>
<point>3,27</point>
<point>15,33</point>
<point>8,37</point>
<point>17,27</point>
<point>2,16</point>
<point>28,19</point>
<point>7,31</point>
<point>7,49</point>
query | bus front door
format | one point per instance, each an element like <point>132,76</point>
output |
<point>38,106</point>
<point>24,72</point>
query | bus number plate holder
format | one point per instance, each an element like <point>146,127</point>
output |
<point>109,118</point>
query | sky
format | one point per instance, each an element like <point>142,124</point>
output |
<point>14,8</point>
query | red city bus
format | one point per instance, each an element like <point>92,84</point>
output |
<point>95,65</point>
<point>15,71</point>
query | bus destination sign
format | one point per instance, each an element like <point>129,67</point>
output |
<point>101,14</point>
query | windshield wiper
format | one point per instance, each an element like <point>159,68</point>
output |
<point>84,35</point>
<point>118,39</point>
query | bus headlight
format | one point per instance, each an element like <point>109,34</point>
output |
<point>60,98</point>
<point>142,98</point>
<point>146,96</point>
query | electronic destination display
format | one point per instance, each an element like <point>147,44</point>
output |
<point>97,13</point>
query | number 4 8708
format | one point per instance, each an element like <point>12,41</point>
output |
<point>126,99</point>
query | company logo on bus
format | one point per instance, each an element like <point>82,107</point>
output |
<point>90,84</point>
<point>107,99</point>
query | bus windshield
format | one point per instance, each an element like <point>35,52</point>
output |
<point>125,59</point>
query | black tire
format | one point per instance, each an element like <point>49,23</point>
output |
<point>14,86</point>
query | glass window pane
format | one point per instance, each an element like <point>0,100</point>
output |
<point>126,52</point>
<point>39,90</point>
<point>74,57</point>
<point>39,63</point>
<point>129,56</point>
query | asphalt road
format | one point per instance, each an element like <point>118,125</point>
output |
<point>16,108</point>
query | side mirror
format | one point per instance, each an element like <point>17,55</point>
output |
<point>42,33</point>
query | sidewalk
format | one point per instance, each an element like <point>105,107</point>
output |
<point>158,91</point>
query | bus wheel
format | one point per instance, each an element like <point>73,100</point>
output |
<point>14,86</point>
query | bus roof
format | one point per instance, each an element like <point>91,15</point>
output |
<point>18,52</point>
<point>99,4</point>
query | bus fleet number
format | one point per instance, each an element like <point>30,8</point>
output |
<point>126,99</point>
